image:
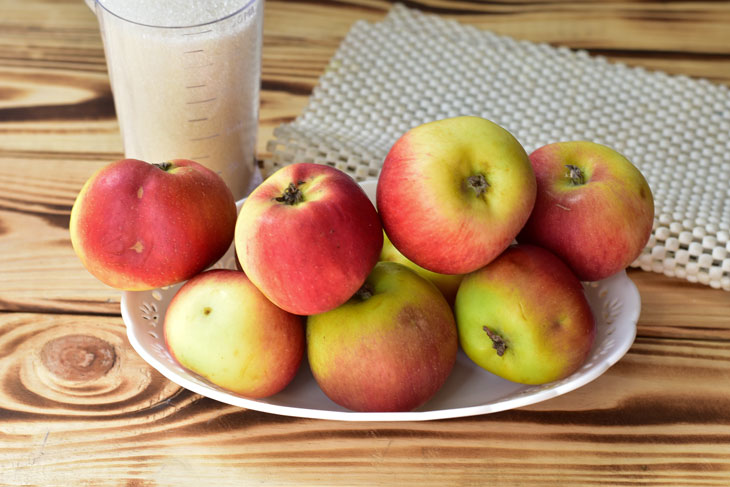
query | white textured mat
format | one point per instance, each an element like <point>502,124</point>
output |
<point>412,68</point>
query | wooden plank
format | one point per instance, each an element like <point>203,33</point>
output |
<point>672,307</point>
<point>67,35</point>
<point>659,416</point>
<point>40,270</point>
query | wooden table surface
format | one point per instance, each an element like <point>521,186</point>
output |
<point>661,416</point>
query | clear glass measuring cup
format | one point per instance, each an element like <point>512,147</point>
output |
<point>185,76</point>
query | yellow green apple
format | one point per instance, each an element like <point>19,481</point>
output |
<point>389,348</point>
<point>525,317</point>
<point>448,284</point>
<point>453,193</point>
<point>221,327</point>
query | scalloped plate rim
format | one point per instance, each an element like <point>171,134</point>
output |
<point>630,299</point>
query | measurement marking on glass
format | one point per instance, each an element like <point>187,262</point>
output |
<point>196,86</point>
<point>193,52</point>
<point>198,119</point>
<point>204,138</point>
<point>195,102</point>
<point>198,33</point>
<point>200,66</point>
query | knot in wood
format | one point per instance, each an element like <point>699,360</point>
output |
<point>78,358</point>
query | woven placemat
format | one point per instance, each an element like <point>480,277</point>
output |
<point>412,67</point>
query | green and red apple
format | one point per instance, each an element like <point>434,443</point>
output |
<point>307,237</point>
<point>221,327</point>
<point>453,193</point>
<point>594,208</point>
<point>448,284</point>
<point>525,317</point>
<point>389,348</point>
<point>138,226</point>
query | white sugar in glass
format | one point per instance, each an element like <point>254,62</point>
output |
<point>185,77</point>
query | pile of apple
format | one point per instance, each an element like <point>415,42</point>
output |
<point>473,244</point>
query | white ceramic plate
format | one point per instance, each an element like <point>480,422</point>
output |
<point>468,391</point>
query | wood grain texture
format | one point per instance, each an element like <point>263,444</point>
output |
<point>671,307</point>
<point>658,416</point>
<point>79,407</point>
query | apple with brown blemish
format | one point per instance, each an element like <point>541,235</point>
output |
<point>307,237</point>
<point>138,226</point>
<point>594,208</point>
<point>389,348</point>
<point>221,327</point>
<point>525,317</point>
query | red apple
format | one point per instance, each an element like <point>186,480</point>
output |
<point>307,237</point>
<point>221,327</point>
<point>454,193</point>
<point>138,226</point>
<point>525,317</point>
<point>594,209</point>
<point>389,348</point>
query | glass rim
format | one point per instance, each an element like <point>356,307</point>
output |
<point>246,5</point>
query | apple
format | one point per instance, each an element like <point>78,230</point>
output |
<point>307,237</point>
<point>454,193</point>
<point>138,226</point>
<point>389,348</point>
<point>221,327</point>
<point>448,284</point>
<point>525,317</point>
<point>594,209</point>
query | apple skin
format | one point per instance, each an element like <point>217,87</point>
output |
<point>598,228</point>
<point>221,327</point>
<point>313,255</point>
<point>137,226</point>
<point>391,351</point>
<point>448,284</point>
<point>428,196</point>
<point>532,301</point>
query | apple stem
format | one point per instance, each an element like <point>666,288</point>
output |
<point>164,166</point>
<point>478,183</point>
<point>292,195</point>
<point>498,342</point>
<point>365,292</point>
<point>575,175</point>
